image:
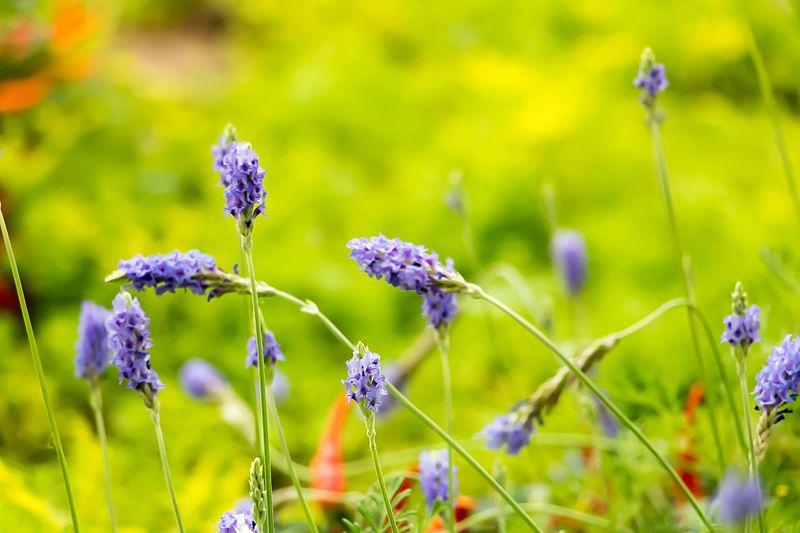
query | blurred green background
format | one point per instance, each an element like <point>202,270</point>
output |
<point>362,112</point>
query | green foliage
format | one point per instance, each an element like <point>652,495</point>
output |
<point>372,511</point>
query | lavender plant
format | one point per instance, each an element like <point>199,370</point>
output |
<point>92,357</point>
<point>366,386</point>
<point>651,81</point>
<point>434,477</point>
<point>129,339</point>
<point>737,499</point>
<point>37,365</point>
<point>568,249</point>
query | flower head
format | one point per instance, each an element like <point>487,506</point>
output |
<point>201,380</point>
<point>129,340</point>
<point>742,329</point>
<point>651,79</point>
<point>365,384</point>
<point>509,432</point>
<point>569,254</point>
<point>167,272</point>
<point>237,521</point>
<point>243,180</point>
<point>272,350</point>
<point>778,382</point>
<point>409,267</point>
<point>433,476</point>
<point>737,499</point>
<point>92,354</point>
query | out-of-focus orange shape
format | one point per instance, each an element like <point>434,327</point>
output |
<point>327,467</point>
<point>73,24</point>
<point>687,457</point>
<point>23,93</point>
<point>464,507</point>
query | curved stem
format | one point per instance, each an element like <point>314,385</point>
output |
<point>247,250</point>
<point>290,465</point>
<point>96,401</point>
<point>464,454</point>
<point>369,420</point>
<point>741,370</point>
<point>443,341</point>
<point>37,364</point>
<point>309,307</point>
<point>162,451</point>
<point>480,293</point>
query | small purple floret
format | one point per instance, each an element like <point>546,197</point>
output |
<point>200,379</point>
<point>743,329</point>
<point>167,272</point>
<point>409,267</point>
<point>272,350</point>
<point>92,354</point>
<point>505,431</point>
<point>653,81</point>
<point>569,255</point>
<point>737,499</point>
<point>129,340</point>
<point>365,384</point>
<point>778,382</point>
<point>433,476</point>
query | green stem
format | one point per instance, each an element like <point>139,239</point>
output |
<point>96,401</point>
<point>247,250</point>
<point>480,293</point>
<point>688,283</point>
<point>369,420</point>
<point>290,465</point>
<point>465,455</point>
<point>553,510</point>
<point>765,84</point>
<point>741,368</point>
<point>162,451</point>
<point>37,364</point>
<point>443,341</point>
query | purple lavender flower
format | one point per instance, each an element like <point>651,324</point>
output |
<point>742,329</point>
<point>365,384</point>
<point>506,431</point>
<point>651,79</point>
<point>223,148</point>
<point>92,355</point>
<point>201,380</point>
<point>237,522</point>
<point>409,267</point>
<point>737,499</point>
<point>165,273</point>
<point>778,382</point>
<point>243,179</point>
<point>569,254</point>
<point>272,350</point>
<point>129,340</point>
<point>433,478</point>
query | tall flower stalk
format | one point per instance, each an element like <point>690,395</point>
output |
<point>92,357</point>
<point>366,386</point>
<point>741,331</point>
<point>443,341</point>
<point>651,81</point>
<point>37,365</point>
<point>129,339</point>
<point>245,198</point>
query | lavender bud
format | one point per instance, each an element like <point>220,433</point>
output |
<point>272,350</point>
<point>433,476</point>
<point>92,354</point>
<point>737,499</point>
<point>509,432</point>
<point>165,273</point>
<point>741,326</point>
<point>365,384</point>
<point>129,340</point>
<point>569,254</point>
<point>651,79</point>
<point>412,268</point>
<point>243,180</point>
<point>778,382</point>
<point>201,380</point>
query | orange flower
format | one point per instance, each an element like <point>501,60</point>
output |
<point>327,467</point>
<point>464,507</point>
<point>23,93</point>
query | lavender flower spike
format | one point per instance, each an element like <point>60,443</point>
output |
<point>243,180</point>
<point>272,350</point>
<point>569,254</point>
<point>200,379</point>
<point>365,384</point>
<point>508,432</point>
<point>778,382</point>
<point>129,340</point>
<point>433,479</point>
<point>92,354</point>
<point>737,499</point>
<point>237,522</point>
<point>651,79</point>
<point>412,268</point>
<point>191,270</point>
<point>743,324</point>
